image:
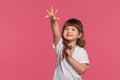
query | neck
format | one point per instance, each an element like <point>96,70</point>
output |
<point>71,43</point>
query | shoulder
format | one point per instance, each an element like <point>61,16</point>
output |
<point>80,49</point>
<point>81,55</point>
<point>59,44</point>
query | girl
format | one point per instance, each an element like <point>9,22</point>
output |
<point>72,59</point>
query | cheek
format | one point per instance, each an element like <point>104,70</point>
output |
<point>76,33</point>
<point>63,34</point>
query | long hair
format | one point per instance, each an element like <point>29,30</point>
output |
<point>77,24</point>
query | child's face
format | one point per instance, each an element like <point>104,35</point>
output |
<point>71,33</point>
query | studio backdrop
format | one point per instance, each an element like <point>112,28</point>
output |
<point>26,51</point>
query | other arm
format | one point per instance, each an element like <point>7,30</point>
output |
<point>78,67</point>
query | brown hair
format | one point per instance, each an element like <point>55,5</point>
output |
<point>77,24</point>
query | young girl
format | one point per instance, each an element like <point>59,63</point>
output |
<point>72,59</point>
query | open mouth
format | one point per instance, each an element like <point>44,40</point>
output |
<point>68,35</point>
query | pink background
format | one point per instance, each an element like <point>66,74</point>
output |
<point>26,52</point>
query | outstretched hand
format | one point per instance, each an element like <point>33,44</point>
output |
<point>52,14</point>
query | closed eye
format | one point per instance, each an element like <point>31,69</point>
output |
<point>73,29</point>
<point>66,29</point>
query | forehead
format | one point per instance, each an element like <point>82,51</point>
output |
<point>73,27</point>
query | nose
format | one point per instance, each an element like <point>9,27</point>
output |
<point>69,31</point>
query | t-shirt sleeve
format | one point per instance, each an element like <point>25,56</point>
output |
<point>58,46</point>
<point>83,57</point>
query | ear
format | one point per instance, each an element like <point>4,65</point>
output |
<point>79,35</point>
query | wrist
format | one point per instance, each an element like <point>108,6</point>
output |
<point>53,21</point>
<point>68,57</point>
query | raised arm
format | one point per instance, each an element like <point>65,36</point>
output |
<point>54,25</point>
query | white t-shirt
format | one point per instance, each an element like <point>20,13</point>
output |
<point>64,70</point>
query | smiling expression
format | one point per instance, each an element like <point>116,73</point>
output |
<point>71,33</point>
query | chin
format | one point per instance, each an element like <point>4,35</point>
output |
<point>69,39</point>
